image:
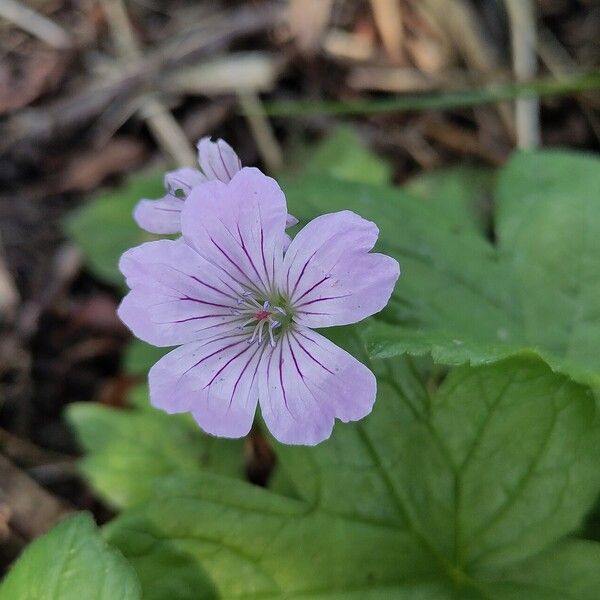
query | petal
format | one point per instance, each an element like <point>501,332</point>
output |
<point>306,382</point>
<point>183,179</point>
<point>159,216</point>
<point>329,274</point>
<point>239,227</point>
<point>176,296</point>
<point>218,160</point>
<point>291,221</point>
<point>216,381</point>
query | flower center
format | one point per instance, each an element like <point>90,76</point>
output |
<point>261,318</point>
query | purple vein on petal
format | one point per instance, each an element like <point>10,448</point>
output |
<point>322,300</point>
<point>237,381</point>
<point>204,302</point>
<point>211,355</point>
<point>223,161</point>
<point>226,365</point>
<point>291,294</point>
<point>212,287</point>
<point>309,354</point>
<point>281,379</point>
<point>316,285</point>
<point>250,258</point>
<point>233,263</point>
<point>262,252</point>
<point>294,358</point>
<point>192,319</point>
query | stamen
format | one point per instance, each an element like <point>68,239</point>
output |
<point>272,326</point>
<point>259,316</point>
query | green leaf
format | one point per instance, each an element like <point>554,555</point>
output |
<point>464,299</point>
<point>460,194</point>
<point>165,573</point>
<point>139,357</point>
<point>432,496</point>
<point>128,450</point>
<point>104,227</point>
<point>343,155</point>
<point>568,571</point>
<point>71,562</point>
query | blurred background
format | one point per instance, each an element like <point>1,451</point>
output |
<point>92,91</point>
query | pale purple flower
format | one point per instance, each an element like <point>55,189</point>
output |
<point>218,162</point>
<point>242,310</point>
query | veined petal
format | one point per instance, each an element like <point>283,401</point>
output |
<point>159,216</point>
<point>306,382</point>
<point>331,277</point>
<point>239,227</point>
<point>176,296</point>
<point>214,380</point>
<point>218,160</point>
<point>183,179</point>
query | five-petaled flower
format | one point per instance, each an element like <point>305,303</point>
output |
<point>242,309</point>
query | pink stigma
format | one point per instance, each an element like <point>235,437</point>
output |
<point>262,314</point>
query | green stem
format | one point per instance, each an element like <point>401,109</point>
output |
<point>441,100</point>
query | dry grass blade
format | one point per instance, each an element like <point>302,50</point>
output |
<point>388,18</point>
<point>521,14</point>
<point>267,143</point>
<point>307,20</point>
<point>402,79</point>
<point>162,124</point>
<point>462,24</point>
<point>236,72</point>
<point>346,46</point>
<point>36,24</point>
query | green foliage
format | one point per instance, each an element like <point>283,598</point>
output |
<point>468,489</point>
<point>128,450</point>
<point>104,227</point>
<point>464,299</point>
<point>431,495</point>
<point>460,195</point>
<point>343,156</point>
<point>71,562</point>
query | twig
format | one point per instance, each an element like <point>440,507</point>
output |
<point>65,266</point>
<point>9,296</point>
<point>521,14</point>
<point>165,129</point>
<point>26,454</point>
<point>35,24</point>
<point>265,139</point>
<point>31,509</point>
